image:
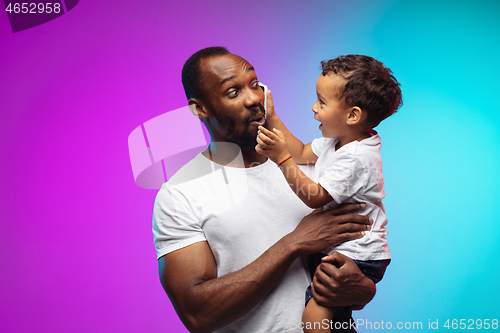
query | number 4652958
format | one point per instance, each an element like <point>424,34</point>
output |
<point>471,324</point>
<point>33,8</point>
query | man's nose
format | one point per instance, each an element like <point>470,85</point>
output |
<point>254,97</point>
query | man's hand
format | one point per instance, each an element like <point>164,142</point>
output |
<point>323,229</point>
<point>339,282</point>
<point>272,144</point>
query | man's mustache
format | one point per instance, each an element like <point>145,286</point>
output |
<point>256,109</point>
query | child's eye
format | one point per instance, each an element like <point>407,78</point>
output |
<point>255,83</point>
<point>321,102</point>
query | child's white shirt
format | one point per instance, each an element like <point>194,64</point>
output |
<point>351,174</point>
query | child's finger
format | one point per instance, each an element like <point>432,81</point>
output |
<point>259,149</point>
<point>262,143</point>
<point>268,133</point>
<point>264,130</point>
<point>279,133</point>
<point>265,138</point>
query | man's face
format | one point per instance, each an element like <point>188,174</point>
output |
<point>234,99</point>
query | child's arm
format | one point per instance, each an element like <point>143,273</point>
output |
<point>315,313</point>
<point>302,154</point>
<point>273,145</point>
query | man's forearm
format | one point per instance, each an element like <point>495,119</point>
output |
<point>214,303</point>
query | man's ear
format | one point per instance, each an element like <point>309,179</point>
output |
<point>354,116</point>
<point>197,108</point>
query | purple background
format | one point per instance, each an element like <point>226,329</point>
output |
<point>76,247</point>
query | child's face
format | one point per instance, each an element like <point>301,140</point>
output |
<point>328,109</point>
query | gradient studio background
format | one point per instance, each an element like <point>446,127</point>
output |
<point>76,246</point>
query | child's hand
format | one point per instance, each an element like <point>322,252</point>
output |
<point>270,106</point>
<point>272,144</point>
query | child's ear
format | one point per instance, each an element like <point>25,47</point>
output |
<point>197,108</point>
<point>354,116</point>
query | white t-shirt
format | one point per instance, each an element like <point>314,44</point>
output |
<point>350,174</point>
<point>240,212</point>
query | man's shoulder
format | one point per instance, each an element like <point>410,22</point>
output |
<point>198,167</point>
<point>183,181</point>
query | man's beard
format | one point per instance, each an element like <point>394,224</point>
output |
<point>246,139</point>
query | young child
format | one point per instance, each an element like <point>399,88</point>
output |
<point>355,93</point>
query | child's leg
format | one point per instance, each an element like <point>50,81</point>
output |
<point>316,318</point>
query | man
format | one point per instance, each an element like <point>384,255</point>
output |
<point>230,234</point>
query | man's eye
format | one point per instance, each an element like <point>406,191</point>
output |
<point>232,93</point>
<point>255,83</point>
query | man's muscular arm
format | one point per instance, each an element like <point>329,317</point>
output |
<point>205,302</point>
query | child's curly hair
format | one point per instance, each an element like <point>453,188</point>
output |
<point>369,85</point>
